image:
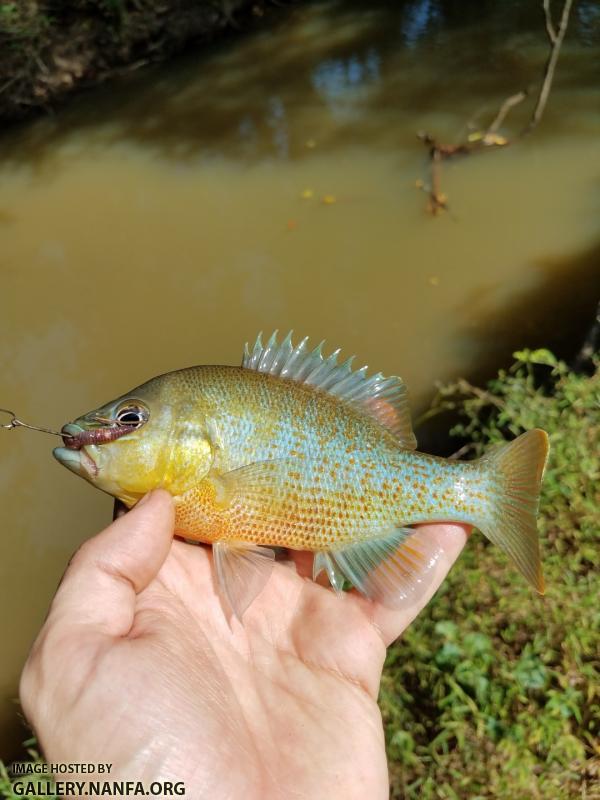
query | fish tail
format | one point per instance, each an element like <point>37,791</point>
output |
<point>516,470</point>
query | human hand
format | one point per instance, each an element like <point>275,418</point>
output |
<point>138,666</point>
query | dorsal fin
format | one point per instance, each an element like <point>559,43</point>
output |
<point>384,399</point>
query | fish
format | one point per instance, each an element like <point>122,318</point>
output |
<point>294,449</point>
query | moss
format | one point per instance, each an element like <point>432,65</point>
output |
<point>495,692</point>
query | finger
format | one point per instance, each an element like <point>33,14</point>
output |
<point>303,562</point>
<point>450,538</point>
<point>106,573</point>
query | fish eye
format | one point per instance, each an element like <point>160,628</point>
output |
<point>132,416</point>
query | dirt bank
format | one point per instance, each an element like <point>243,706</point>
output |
<point>49,48</point>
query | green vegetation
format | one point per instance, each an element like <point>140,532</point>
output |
<point>494,691</point>
<point>8,782</point>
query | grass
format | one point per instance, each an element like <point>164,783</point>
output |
<point>493,691</point>
<point>8,783</point>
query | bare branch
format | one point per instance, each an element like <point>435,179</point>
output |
<point>463,450</point>
<point>506,106</point>
<point>437,199</point>
<point>564,20</point>
<point>549,24</point>
<point>550,65</point>
<point>480,141</point>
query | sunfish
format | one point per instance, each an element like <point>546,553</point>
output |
<point>294,449</point>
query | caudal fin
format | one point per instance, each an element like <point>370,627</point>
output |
<point>516,470</point>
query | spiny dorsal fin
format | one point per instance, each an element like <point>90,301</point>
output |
<point>384,399</point>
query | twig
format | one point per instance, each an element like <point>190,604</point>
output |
<point>556,39</point>
<point>487,397</point>
<point>8,83</point>
<point>549,24</point>
<point>437,200</point>
<point>466,448</point>
<point>489,139</point>
<point>506,106</point>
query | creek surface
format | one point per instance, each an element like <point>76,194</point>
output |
<point>269,182</point>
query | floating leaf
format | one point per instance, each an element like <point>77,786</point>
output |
<point>494,139</point>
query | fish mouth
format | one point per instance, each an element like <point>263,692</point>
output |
<point>71,436</point>
<point>73,456</point>
<point>78,461</point>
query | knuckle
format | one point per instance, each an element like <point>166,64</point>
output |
<point>82,554</point>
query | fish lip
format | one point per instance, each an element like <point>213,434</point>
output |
<point>78,461</point>
<point>70,433</point>
<point>89,463</point>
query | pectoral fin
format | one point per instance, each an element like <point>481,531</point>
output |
<point>260,490</point>
<point>261,480</point>
<point>242,572</point>
<point>391,568</point>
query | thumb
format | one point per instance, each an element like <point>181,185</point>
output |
<point>108,571</point>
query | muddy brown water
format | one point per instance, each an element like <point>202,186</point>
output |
<point>269,182</point>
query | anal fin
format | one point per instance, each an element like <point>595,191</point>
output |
<point>242,572</point>
<point>324,562</point>
<point>391,568</point>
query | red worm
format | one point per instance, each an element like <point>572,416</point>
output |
<point>96,436</point>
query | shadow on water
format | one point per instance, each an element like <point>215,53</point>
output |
<point>335,67</point>
<point>556,314</point>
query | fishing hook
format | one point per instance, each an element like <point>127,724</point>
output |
<point>17,423</point>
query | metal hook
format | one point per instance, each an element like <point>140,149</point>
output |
<point>17,423</point>
<point>13,422</point>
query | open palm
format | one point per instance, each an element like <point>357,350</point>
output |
<point>138,665</point>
